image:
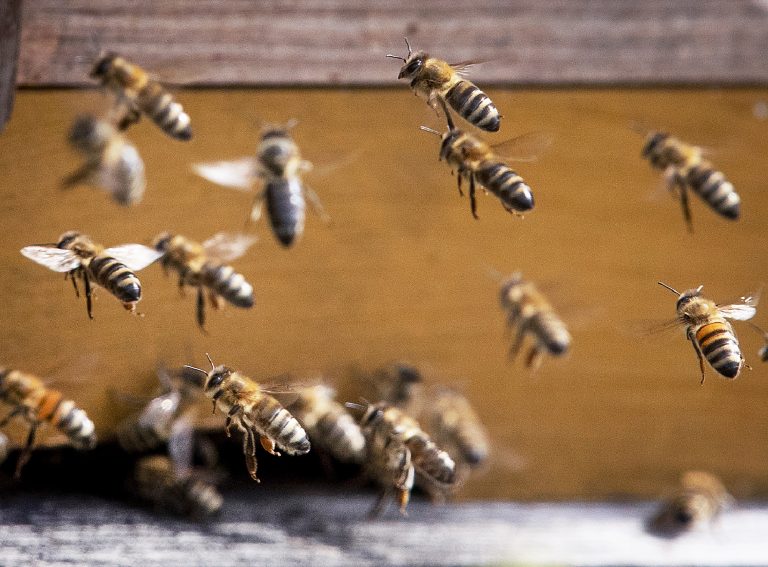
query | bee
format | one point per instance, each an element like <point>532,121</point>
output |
<point>709,331</point>
<point>531,314</point>
<point>476,161</point>
<point>4,442</point>
<point>398,448</point>
<point>138,94</point>
<point>254,412</point>
<point>203,266</point>
<point>36,404</point>
<point>111,162</point>
<point>763,352</point>
<point>328,423</point>
<point>434,79</point>
<point>399,384</point>
<point>279,165</point>
<point>685,168</point>
<point>156,480</point>
<point>699,499</point>
<point>456,426</point>
<point>111,268</point>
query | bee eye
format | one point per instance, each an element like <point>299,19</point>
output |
<point>413,66</point>
<point>216,380</point>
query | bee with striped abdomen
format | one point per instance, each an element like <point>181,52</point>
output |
<point>112,163</point>
<point>203,266</point>
<point>33,402</point>
<point>456,426</point>
<point>399,384</point>
<point>709,331</point>
<point>685,168</point>
<point>434,79</point>
<point>111,268</point>
<point>255,413</point>
<point>138,94</point>
<point>279,165</point>
<point>529,312</point>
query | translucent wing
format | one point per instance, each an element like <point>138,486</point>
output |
<point>526,147</point>
<point>181,445</point>
<point>135,256</point>
<point>227,246</point>
<point>742,310</point>
<point>237,174</point>
<point>463,67</point>
<point>55,259</point>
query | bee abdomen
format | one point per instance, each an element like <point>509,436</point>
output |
<point>136,438</point>
<point>286,207</point>
<point>551,331</point>
<point>202,498</point>
<point>228,284</point>
<point>129,181</point>
<point>342,436</point>
<point>474,106</point>
<point>719,193</point>
<point>430,460</point>
<point>507,185</point>
<point>282,427</point>
<point>75,423</point>
<point>719,347</point>
<point>115,277</point>
<point>165,112</point>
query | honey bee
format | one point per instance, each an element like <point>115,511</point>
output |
<point>254,412</point>
<point>111,162</point>
<point>156,480</point>
<point>328,423</point>
<point>399,384</point>
<point>202,266</point>
<point>138,94</point>
<point>33,402</point>
<point>699,499</point>
<point>531,314</point>
<point>478,162</point>
<point>456,426</point>
<point>111,268</point>
<point>398,448</point>
<point>763,352</point>
<point>685,168</point>
<point>279,165</point>
<point>709,331</point>
<point>433,78</point>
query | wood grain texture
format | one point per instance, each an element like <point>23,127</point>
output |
<point>335,42</point>
<point>10,22</point>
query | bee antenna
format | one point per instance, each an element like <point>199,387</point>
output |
<point>354,405</point>
<point>213,366</point>
<point>673,290</point>
<point>430,130</point>
<point>196,369</point>
<point>396,57</point>
<point>409,46</point>
<point>698,289</point>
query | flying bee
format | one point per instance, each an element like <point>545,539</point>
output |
<point>203,266</point>
<point>399,384</point>
<point>456,426</point>
<point>280,167</point>
<point>763,352</point>
<point>111,162</point>
<point>479,164</point>
<point>254,412</point>
<point>699,499</point>
<point>398,448</point>
<point>111,268</point>
<point>434,79</point>
<point>156,480</point>
<point>709,331</point>
<point>33,402</point>
<point>685,168</point>
<point>138,94</point>
<point>529,312</point>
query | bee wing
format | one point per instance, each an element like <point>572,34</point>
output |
<point>650,327</point>
<point>742,311</point>
<point>181,445</point>
<point>526,147</point>
<point>124,179</point>
<point>237,174</point>
<point>135,256</point>
<point>55,259</point>
<point>227,246</point>
<point>160,410</point>
<point>463,67</point>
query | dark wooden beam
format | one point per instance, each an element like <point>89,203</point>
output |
<point>10,24</point>
<point>343,42</point>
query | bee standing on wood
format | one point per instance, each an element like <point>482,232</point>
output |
<point>111,268</point>
<point>255,413</point>
<point>434,79</point>
<point>112,163</point>
<point>36,404</point>
<point>203,266</point>
<point>708,329</point>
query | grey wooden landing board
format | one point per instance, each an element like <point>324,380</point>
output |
<point>290,526</point>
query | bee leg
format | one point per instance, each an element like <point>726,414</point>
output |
<point>698,354</point>
<point>182,289</point>
<point>317,206</point>
<point>381,505</point>
<point>14,413</point>
<point>269,446</point>
<point>255,214</point>
<point>686,208</point>
<point>404,497</point>
<point>515,348</point>
<point>459,179</point>
<point>26,452</point>
<point>124,114</point>
<point>232,412</point>
<point>80,175</point>
<point>472,200</point>
<point>213,299</point>
<point>249,450</point>
<point>533,360</point>
<point>71,276</point>
<point>200,309</point>
<point>88,294</point>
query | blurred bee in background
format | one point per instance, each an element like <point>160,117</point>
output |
<point>400,385</point>
<point>157,480</point>
<point>456,426</point>
<point>529,312</point>
<point>112,163</point>
<point>111,268</point>
<point>33,402</point>
<point>685,168</point>
<point>254,412</point>
<point>709,331</point>
<point>699,499</point>
<point>4,442</point>
<point>398,448</point>
<point>434,79</point>
<point>139,94</point>
<point>478,163</point>
<point>279,165</point>
<point>203,266</point>
<point>763,352</point>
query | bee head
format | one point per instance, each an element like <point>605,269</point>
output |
<point>687,296</point>
<point>509,284</point>
<point>412,63</point>
<point>407,374</point>
<point>67,238</point>
<point>216,376</point>
<point>161,241</point>
<point>653,141</point>
<point>103,65</point>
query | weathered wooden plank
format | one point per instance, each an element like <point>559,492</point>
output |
<point>343,43</point>
<point>10,23</point>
